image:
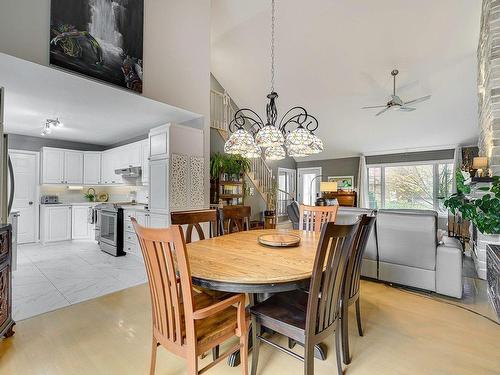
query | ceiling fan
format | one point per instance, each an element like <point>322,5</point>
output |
<point>396,101</point>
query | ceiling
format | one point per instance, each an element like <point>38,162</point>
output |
<point>333,57</point>
<point>90,111</point>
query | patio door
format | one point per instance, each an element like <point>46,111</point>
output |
<point>287,189</point>
<point>308,181</point>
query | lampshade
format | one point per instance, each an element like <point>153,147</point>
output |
<point>480,162</point>
<point>329,186</point>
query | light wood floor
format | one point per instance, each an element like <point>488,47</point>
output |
<point>404,334</point>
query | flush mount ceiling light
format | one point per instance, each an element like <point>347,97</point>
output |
<point>251,134</point>
<point>49,125</point>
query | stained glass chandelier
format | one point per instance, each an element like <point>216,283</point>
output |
<point>292,135</point>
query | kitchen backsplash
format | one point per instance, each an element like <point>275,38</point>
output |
<point>116,193</point>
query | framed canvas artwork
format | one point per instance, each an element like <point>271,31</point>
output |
<point>102,39</point>
<point>345,183</point>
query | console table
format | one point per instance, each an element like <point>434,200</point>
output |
<point>6,322</point>
<point>493,275</point>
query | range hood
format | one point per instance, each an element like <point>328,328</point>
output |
<point>130,172</point>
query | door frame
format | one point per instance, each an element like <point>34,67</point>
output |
<point>288,170</point>
<point>37,188</point>
<point>298,181</point>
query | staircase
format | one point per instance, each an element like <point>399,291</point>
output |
<point>222,110</point>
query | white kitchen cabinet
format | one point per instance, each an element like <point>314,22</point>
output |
<point>158,186</point>
<point>80,228</point>
<point>52,166</point>
<point>62,166</point>
<point>91,168</point>
<point>158,220</point>
<point>111,162</point>
<point>159,142</point>
<point>55,222</point>
<point>145,161</point>
<point>73,167</point>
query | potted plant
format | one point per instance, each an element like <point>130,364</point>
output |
<point>484,211</point>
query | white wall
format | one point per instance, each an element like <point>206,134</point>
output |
<point>176,49</point>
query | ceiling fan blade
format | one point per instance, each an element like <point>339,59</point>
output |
<point>382,111</point>
<point>406,109</point>
<point>374,106</point>
<point>423,98</point>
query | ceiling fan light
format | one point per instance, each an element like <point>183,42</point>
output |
<point>275,153</point>
<point>269,136</point>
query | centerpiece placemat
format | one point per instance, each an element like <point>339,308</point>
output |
<point>279,240</point>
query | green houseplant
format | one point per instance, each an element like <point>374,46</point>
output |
<point>232,165</point>
<point>484,211</point>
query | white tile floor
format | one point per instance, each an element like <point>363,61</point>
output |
<point>60,274</point>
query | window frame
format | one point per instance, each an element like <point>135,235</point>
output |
<point>435,178</point>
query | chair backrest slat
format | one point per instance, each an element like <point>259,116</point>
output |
<point>312,218</point>
<point>193,219</point>
<point>165,257</point>
<point>330,265</point>
<point>354,268</point>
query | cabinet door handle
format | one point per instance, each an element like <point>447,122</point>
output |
<point>30,203</point>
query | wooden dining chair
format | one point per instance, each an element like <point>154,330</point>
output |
<point>187,323</point>
<point>235,218</point>
<point>313,217</point>
<point>309,318</point>
<point>194,219</point>
<point>352,282</point>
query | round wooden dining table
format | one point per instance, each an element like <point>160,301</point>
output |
<point>239,263</point>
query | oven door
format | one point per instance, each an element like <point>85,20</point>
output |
<point>108,226</point>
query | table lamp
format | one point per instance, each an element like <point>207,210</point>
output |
<point>480,163</point>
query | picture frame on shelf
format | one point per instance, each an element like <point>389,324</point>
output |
<point>344,183</point>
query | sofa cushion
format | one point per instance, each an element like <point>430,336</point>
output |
<point>349,215</point>
<point>407,237</point>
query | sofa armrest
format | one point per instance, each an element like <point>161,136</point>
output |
<point>449,268</point>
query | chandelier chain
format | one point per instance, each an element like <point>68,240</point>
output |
<point>273,20</point>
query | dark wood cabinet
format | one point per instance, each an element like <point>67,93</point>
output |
<point>345,198</point>
<point>6,322</point>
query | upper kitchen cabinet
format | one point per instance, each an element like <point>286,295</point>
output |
<point>110,162</point>
<point>62,166</point>
<point>158,142</point>
<point>145,161</point>
<point>52,166</point>
<point>73,167</point>
<point>91,168</point>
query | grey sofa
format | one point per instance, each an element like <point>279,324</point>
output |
<point>403,249</point>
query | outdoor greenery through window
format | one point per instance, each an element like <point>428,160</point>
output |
<point>412,185</point>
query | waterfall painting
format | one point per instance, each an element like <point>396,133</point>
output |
<point>102,39</point>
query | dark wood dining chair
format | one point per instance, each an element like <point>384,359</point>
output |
<point>309,318</point>
<point>194,219</point>
<point>235,218</point>
<point>187,323</point>
<point>311,218</point>
<point>352,282</point>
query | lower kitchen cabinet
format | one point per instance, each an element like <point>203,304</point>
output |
<point>55,223</point>
<point>80,228</point>
<point>145,219</point>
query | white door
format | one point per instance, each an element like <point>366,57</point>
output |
<point>52,166</point>
<point>308,181</point>
<point>73,167</point>
<point>80,228</point>
<point>25,195</point>
<point>92,168</point>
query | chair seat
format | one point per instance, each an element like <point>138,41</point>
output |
<point>284,313</point>
<point>213,327</point>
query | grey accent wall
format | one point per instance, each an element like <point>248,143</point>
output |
<point>335,167</point>
<point>28,143</point>
<point>411,157</point>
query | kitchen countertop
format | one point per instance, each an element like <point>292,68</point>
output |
<point>137,207</point>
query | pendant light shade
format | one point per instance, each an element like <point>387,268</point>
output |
<point>269,136</point>
<point>239,142</point>
<point>275,153</point>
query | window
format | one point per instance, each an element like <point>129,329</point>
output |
<point>411,185</point>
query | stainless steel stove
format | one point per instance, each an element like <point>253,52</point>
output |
<point>108,220</point>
